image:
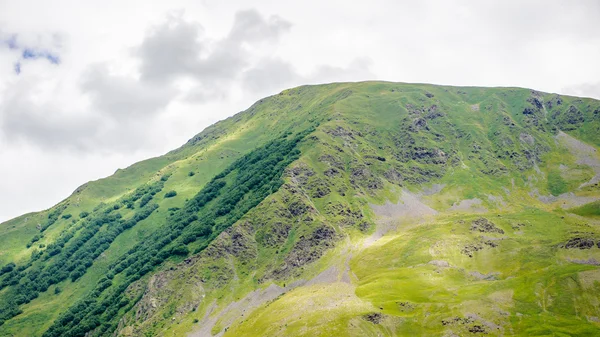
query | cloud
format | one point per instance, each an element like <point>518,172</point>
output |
<point>150,79</point>
<point>178,49</point>
<point>270,74</point>
<point>359,69</point>
<point>274,74</point>
<point>26,116</point>
<point>584,90</point>
<point>250,26</point>
<point>123,97</point>
<point>120,108</point>
<point>170,50</point>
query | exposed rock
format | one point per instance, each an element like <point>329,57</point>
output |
<point>535,101</point>
<point>554,101</point>
<point>405,306</point>
<point>456,320</point>
<point>472,248</point>
<point>362,176</point>
<point>331,172</point>
<point>347,216</point>
<point>591,261</point>
<point>418,124</point>
<point>332,161</point>
<point>431,112</point>
<point>527,138</point>
<point>487,277</point>
<point>571,118</point>
<point>242,244</point>
<point>341,132</point>
<point>298,207</point>
<point>300,173</point>
<point>318,187</point>
<point>439,263</point>
<point>579,243</point>
<point>375,157</point>
<point>471,205</point>
<point>307,249</point>
<point>426,155</point>
<point>483,225</point>
<point>477,329</point>
<point>393,176</point>
<point>276,235</point>
<point>374,317</point>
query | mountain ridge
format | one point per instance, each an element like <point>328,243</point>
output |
<point>371,141</point>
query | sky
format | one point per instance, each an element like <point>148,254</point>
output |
<point>87,87</point>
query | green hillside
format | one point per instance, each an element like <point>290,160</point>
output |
<point>358,209</point>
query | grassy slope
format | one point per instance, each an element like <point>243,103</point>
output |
<point>374,113</point>
<point>534,288</point>
<point>369,117</point>
<point>206,155</point>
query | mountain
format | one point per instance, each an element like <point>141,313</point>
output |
<point>347,209</point>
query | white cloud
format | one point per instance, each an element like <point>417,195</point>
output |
<point>138,78</point>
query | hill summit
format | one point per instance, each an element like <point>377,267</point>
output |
<point>346,209</point>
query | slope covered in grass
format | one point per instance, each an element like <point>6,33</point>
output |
<point>365,208</point>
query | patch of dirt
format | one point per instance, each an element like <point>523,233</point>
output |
<point>235,309</point>
<point>434,189</point>
<point>567,200</point>
<point>527,138</point>
<point>346,275</point>
<point>591,261</point>
<point>439,263</point>
<point>498,200</point>
<point>470,205</point>
<point>585,154</point>
<point>409,207</point>
<point>259,297</point>
<point>486,277</point>
<point>329,275</point>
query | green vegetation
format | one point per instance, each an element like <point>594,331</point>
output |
<point>170,194</point>
<point>591,210</point>
<point>215,208</point>
<point>556,184</point>
<point>369,190</point>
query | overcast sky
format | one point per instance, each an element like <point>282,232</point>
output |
<point>87,87</point>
